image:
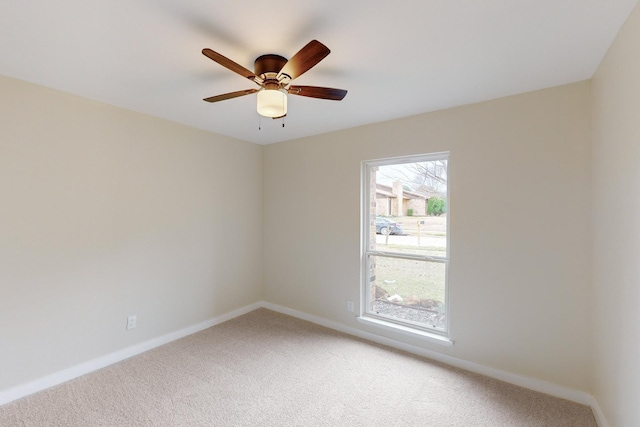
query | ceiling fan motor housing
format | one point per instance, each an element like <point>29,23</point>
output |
<point>269,65</point>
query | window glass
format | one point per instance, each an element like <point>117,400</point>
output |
<point>406,245</point>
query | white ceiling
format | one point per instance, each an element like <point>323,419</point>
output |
<point>396,58</point>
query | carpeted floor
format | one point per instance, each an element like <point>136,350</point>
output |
<point>267,369</point>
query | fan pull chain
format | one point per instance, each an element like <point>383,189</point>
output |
<point>259,122</point>
<point>284,99</point>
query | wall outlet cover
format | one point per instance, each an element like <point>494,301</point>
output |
<point>131,322</point>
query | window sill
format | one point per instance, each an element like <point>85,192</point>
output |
<point>407,331</point>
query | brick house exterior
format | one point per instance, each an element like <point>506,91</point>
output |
<point>395,201</point>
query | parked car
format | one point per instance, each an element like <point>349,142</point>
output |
<point>385,226</point>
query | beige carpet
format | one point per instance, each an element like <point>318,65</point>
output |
<point>267,369</point>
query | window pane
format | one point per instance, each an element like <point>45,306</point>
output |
<point>408,290</point>
<point>408,209</point>
<point>420,236</point>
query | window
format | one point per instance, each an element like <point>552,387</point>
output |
<point>405,243</point>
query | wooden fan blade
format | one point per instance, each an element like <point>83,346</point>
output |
<point>306,58</point>
<point>230,95</point>
<point>227,63</point>
<point>318,92</point>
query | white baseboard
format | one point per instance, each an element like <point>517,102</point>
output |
<point>60,377</point>
<point>519,380</point>
<point>56,378</point>
<point>597,413</point>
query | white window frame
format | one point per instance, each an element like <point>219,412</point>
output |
<point>385,322</point>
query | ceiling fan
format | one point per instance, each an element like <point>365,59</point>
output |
<point>274,73</point>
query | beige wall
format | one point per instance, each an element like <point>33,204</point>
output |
<point>519,186</point>
<point>616,183</point>
<point>106,213</point>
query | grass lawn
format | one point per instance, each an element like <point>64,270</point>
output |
<point>410,278</point>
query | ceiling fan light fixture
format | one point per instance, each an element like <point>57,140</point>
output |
<point>274,73</point>
<point>272,103</point>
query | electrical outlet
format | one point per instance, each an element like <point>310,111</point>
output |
<point>131,322</point>
<point>350,306</point>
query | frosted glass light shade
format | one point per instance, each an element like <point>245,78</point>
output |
<point>272,103</point>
